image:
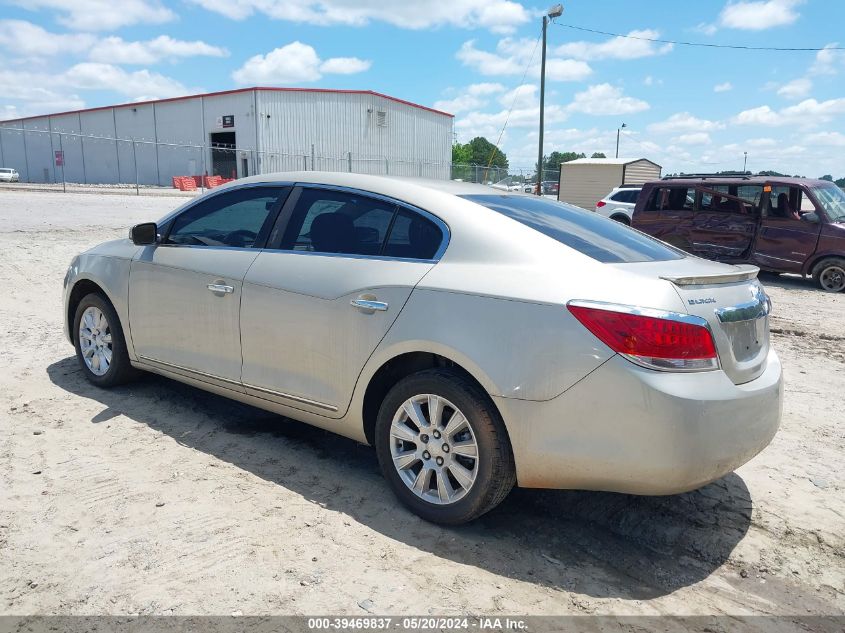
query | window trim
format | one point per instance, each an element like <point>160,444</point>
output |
<point>166,224</point>
<point>286,213</point>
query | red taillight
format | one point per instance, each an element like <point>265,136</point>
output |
<point>600,204</point>
<point>660,342</point>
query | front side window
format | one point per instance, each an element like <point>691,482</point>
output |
<point>238,218</point>
<point>588,233</point>
<point>784,203</point>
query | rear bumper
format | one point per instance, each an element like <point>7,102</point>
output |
<point>628,429</point>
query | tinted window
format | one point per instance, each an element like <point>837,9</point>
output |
<point>588,233</point>
<point>326,221</point>
<point>237,218</point>
<point>715,198</point>
<point>413,236</point>
<point>627,195</point>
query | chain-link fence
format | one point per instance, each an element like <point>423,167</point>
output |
<point>50,156</point>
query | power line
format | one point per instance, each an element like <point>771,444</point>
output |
<point>701,44</point>
<point>513,103</point>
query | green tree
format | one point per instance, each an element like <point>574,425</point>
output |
<point>841,182</point>
<point>553,161</point>
<point>482,150</point>
<point>598,155</point>
<point>461,154</point>
<point>827,177</point>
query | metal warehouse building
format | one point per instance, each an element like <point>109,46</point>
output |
<point>235,133</point>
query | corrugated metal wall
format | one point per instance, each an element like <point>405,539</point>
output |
<point>293,130</point>
<point>584,185</point>
<point>640,172</point>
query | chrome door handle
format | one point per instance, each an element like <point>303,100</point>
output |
<point>222,288</point>
<point>366,304</point>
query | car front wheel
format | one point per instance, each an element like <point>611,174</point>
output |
<point>829,274</point>
<point>443,447</point>
<point>100,346</point>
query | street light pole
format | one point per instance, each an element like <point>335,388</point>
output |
<point>745,161</point>
<point>618,130</point>
<point>554,12</point>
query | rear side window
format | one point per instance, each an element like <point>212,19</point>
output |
<point>672,199</point>
<point>588,233</point>
<point>342,222</point>
<point>626,195</point>
<point>413,236</point>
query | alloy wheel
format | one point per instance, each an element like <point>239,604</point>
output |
<point>95,341</point>
<point>832,278</point>
<point>434,449</point>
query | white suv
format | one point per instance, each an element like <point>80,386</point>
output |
<point>7,174</point>
<point>619,204</point>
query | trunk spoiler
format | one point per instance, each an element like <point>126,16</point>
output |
<point>741,273</point>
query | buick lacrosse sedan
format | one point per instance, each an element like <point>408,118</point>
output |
<point>478,338</point>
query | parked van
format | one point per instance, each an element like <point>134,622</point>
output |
<point>790,225</point>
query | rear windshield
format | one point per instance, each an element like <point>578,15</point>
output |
<point>589,233</point>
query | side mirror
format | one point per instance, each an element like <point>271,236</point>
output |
<point>143,234</point>
<point>811,217</point>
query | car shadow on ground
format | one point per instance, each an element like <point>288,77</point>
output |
<point>787,281</point>
<point>598,544</point>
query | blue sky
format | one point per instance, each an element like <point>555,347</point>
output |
<point>686,108</point>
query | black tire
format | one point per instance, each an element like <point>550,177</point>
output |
<point>496,473</point>
<point>120,370</point>
<point>822,274</point>
<point>622,219</point>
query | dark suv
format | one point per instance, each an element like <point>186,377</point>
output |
<point>793,225</point>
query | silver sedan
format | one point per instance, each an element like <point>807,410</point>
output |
<point>477,338</point>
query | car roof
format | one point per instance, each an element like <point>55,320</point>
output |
<point>738,180</point>
<point>385,185</point>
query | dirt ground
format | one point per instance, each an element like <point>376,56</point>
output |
<point>157,498</point>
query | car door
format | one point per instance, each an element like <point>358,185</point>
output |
<point>668,214</point>
<point>185,292</point>
<point>785,241</point>
<point>725,222</point>
<point>316,303</point>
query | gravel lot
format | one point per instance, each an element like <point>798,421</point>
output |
<point>263,515</point>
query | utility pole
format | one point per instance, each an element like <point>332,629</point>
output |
<point>745,161</point>
<point>554,12</point>
<point>618,130</point>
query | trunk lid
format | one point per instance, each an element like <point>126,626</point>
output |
<point>731,300</point>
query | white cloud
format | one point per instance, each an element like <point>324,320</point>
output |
<point>102,15</point>
<point>616,47</point>
<point>472,97</point>
<point>30,40</point>
<point>651,81</point>
<point>826,139</point>
<point>294,63</point>
<point>796,89</point>
<point>759,15</point>
<point>345,66</point>
<point>61,88</point>
<point>684,122</point>
<point>499,16</point>
<point>829,61</point>
<point>705,29</point>
<point>521,97</point>
<point>723,87</point>
<point>115,50</point>
<point>808,113</point>
<point>695,138</point>
<point>135,85</point>
<point>512,57</point>
<point>604,99</point>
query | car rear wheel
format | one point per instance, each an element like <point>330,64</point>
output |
<point>100,345</point>
<point>443,448</point>
<point>622,219</point>
<point>829,274</point>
